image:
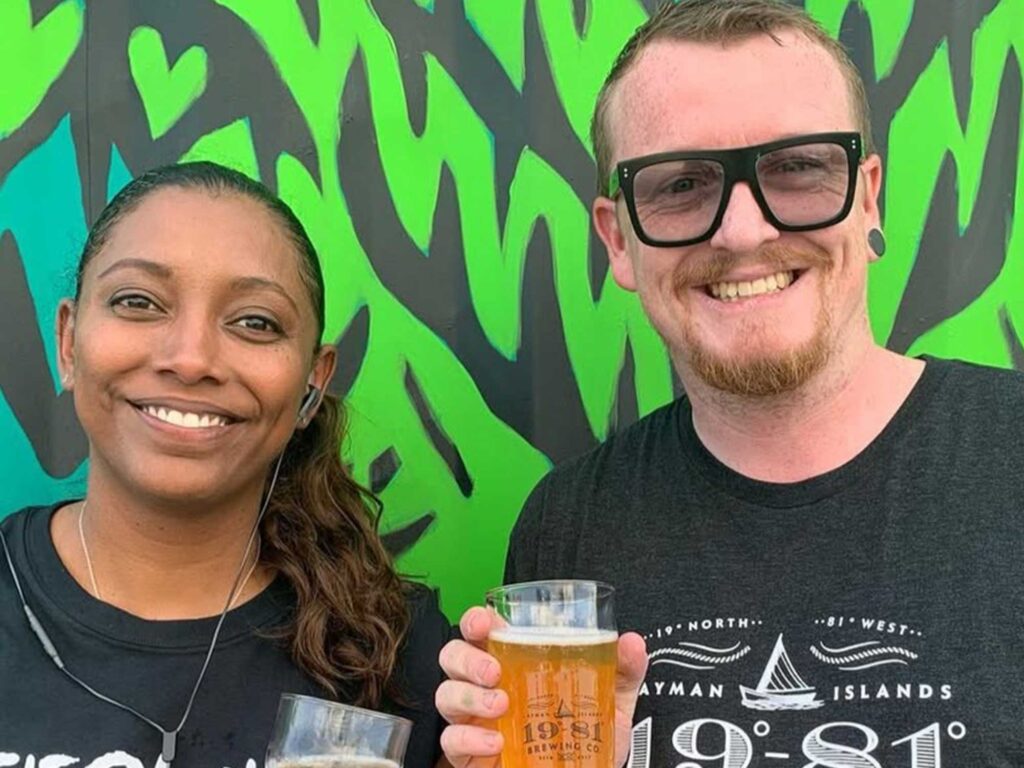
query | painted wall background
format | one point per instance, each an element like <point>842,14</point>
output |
<point>436,150</point>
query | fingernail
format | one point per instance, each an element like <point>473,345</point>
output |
<point>492,739</point>
<point>489,698</point>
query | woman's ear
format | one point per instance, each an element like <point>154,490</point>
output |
<point>323,370</point>
<point>66,343</point>
<point>323,366</point>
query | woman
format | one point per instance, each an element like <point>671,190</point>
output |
<point>222,555</point>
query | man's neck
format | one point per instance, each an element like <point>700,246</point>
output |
<point>809,432</point>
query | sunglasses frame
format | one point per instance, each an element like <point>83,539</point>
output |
<point>738,164</point>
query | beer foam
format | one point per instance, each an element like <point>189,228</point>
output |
<point>554,636</point>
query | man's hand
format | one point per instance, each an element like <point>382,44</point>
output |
<point>471,694</point>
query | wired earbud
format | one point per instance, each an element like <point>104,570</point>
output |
<point>309,404</point>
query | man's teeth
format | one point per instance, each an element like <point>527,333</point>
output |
<point>185,419</point>
<point>744,289</point>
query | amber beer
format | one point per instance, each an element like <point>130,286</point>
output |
<point>558,657</point>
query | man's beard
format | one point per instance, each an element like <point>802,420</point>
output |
<point>761,375</point>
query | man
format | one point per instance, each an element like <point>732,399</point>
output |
<point>820,542</point>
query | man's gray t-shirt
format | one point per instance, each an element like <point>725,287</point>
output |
<point>871,616</point>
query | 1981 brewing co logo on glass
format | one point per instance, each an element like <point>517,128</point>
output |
<point>559,676</point>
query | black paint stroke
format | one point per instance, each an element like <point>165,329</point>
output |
<point>445,448</point>
<point>1013,339</point>
<point>48,419</point>
<point>383,470</point>
<point>405,538</point>
<point>352,346</point>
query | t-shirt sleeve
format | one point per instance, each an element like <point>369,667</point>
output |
<point>421,674</point>
<point>522,558</point>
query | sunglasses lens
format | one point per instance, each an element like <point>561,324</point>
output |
<point>678,199</point>
<point>805,185</point>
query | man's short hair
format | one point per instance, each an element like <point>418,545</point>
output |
<point>721,21</point>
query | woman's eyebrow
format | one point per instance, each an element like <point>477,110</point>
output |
<point>154,268</point>
<point>262,283</point>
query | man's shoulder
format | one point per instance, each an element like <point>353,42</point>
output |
<point>586,495</point>
<point>644,441</point>
<point>973,386</point>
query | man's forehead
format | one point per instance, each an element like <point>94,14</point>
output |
<point>708,95</point>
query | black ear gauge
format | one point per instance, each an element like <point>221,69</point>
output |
<point>309,403</point>
<point>876,242</point>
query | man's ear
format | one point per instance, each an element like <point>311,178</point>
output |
<point>65,331</point>
<point>871,174</point>
<point>611,229</point>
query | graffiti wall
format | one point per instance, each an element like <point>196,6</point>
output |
<point>437,152</point>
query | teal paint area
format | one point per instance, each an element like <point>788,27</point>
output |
<point>119,175</point>
<point>41,205</point>
<point>31,484</point>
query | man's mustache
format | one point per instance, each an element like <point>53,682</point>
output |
<point>774,257</point>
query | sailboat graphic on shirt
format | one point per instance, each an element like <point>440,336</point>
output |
<point>781,686</point>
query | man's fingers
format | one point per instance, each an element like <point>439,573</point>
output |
<point>462,661</point>
<point>632,666</point>
<point>475,625</point>
<point>463,743</point>
<point>458,702</point>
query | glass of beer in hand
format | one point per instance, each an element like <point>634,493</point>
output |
<point>556,643</point>
<point>313,733</point>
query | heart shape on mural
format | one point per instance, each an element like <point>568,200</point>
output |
<point>166,91</point>
<point>33,56</point>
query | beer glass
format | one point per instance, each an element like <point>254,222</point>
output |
<point>557,645</point>
<point>313,733</point>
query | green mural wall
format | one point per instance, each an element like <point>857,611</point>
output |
<point>437,152</point>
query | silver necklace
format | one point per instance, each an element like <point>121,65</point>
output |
<point>92,573</point>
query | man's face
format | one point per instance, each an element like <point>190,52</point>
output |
<point>809,305</point>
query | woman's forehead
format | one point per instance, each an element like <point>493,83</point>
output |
<point>205,234</point>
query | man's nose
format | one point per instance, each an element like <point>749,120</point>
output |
<point>190,349</point>
<point>744,226</point>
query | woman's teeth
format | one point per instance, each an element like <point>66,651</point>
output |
<point>727,291</point>
<point>185,419</point>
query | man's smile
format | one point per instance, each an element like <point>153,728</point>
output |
<point>734,290</point>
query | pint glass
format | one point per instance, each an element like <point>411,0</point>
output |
<point>556,642</point>
<point>313,733</point>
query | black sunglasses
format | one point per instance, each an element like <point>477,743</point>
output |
<point>800,183</point>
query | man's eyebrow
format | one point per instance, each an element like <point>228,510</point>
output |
<point>158,270</point>
<point>261,283</point>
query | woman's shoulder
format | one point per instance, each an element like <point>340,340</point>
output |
<point>19,521</point>
<point>427,632</point>
<point>428,626</point>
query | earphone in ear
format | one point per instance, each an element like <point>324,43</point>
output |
<point>309,403</point>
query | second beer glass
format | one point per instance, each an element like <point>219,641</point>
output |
<point>556,642</point>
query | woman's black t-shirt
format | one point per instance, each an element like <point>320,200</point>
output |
<point>48,720</point>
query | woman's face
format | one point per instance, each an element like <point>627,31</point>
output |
<point>192,345</point>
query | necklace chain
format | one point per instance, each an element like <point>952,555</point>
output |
<point>92,573</point>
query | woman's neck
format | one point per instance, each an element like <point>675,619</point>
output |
<point>159,561</point>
